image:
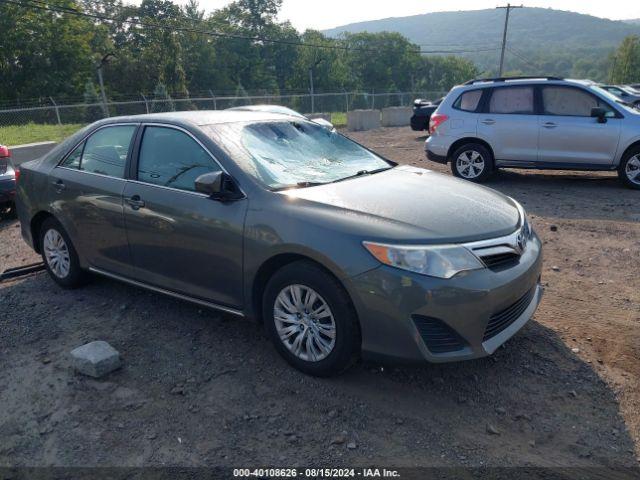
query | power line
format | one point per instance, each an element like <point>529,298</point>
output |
<point>522,57</point>
<point>40,5</point>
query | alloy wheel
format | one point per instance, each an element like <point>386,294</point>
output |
<point>304,322</point>
<point>470,164</point>
<point>632,169</point>
<point>56,253</point>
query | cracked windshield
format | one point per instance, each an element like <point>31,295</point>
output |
<point>300,154</point>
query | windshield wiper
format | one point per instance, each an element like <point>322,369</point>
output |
<point>362,173</point>
<point>300,185</point>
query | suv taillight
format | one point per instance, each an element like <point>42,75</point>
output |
<point>4,152</point>
<point>436,120</point>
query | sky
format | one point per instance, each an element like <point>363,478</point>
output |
<point>323,14</point>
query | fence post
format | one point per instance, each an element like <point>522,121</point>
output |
<point>373,100</point>
<point>215,103</point>
<point>57,110</point>
<point>146,103</point>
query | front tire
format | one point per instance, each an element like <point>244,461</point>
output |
<point>59,255</point>
<point>310,319</point>
<point>629,169</point>
<point>473,162</point>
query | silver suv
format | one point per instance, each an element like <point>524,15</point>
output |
<point>544,123</point>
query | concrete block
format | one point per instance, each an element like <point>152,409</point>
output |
<point>358,120</point>
<point>396,116</point>
<point>29,151</point>
<point>95,359</point>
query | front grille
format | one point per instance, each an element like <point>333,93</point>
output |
<point>501,320</point>
<point>438,336</point>
<point>500,260</point>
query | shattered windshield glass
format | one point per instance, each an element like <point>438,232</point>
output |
<point>290,154</point>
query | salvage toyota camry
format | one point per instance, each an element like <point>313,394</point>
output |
<point>338,251</point>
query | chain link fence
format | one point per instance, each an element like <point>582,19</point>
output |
<point>84,113</point>
<point>55,121</point>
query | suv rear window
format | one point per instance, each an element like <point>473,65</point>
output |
<point>513,100</point>
<point>468,101</point>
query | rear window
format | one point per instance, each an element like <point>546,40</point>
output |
<point>468,101</point>
<point>512,100</point>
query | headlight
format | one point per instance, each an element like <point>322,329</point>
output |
<point>442,261</point>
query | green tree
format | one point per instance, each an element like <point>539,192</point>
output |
<point>626,61</point>
<point>42,54</point>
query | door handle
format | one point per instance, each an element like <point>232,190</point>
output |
<point>549,125</point>
<point>58,185</point>
<point>135,202</point>
<point>488,121</point>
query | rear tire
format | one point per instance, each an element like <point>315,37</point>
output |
<point>59,255</point>
<point>629,169</point>
<point>310,319</point>
<point>473,162</point>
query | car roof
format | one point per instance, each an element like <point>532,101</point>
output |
<point>489,83</point>
<point>201,117</point>
<point>267,109</point>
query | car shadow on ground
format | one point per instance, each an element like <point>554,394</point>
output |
<point>572,195</point>
<point>199,388</point>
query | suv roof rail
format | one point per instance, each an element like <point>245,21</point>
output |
<point>504,79</point>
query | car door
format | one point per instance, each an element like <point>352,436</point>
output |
<point>510,124</point>
<point>86,191</point>
<point>182,240</point>
<point>568,132</point>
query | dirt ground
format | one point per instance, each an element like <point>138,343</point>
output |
<point>203,389</point>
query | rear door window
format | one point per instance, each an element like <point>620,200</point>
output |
<point>512,100</point>
<point>172,158</point>
<point>104,152</point>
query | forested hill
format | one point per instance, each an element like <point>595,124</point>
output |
<point>554,41</point>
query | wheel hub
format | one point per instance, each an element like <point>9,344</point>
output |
<point>470,164</point>
<point>304,323</point>
<point>56,253</point>
<point>633,169</point>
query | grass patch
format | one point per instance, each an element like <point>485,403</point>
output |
<point>36,132</point>
<point>339,119</point>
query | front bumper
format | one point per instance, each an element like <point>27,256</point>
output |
<point>401,313</point>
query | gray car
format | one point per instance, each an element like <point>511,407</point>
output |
<point>338,251</point>
<point>542,123</point>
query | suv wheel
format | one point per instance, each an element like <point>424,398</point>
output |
<point>629,169</point>
<point>310,319</point>
<point>473,162</point>
<point>59,255</point>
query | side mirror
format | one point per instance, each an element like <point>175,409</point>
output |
<point>600,114</point>
<point>218,185</point>
<point>324,123</point>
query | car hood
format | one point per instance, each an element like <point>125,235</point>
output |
<point>413,205</point>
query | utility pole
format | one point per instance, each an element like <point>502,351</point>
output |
<point>312,89</point>
<point>99,66</point>
<point>313,98</point>
<point>504,34</point>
